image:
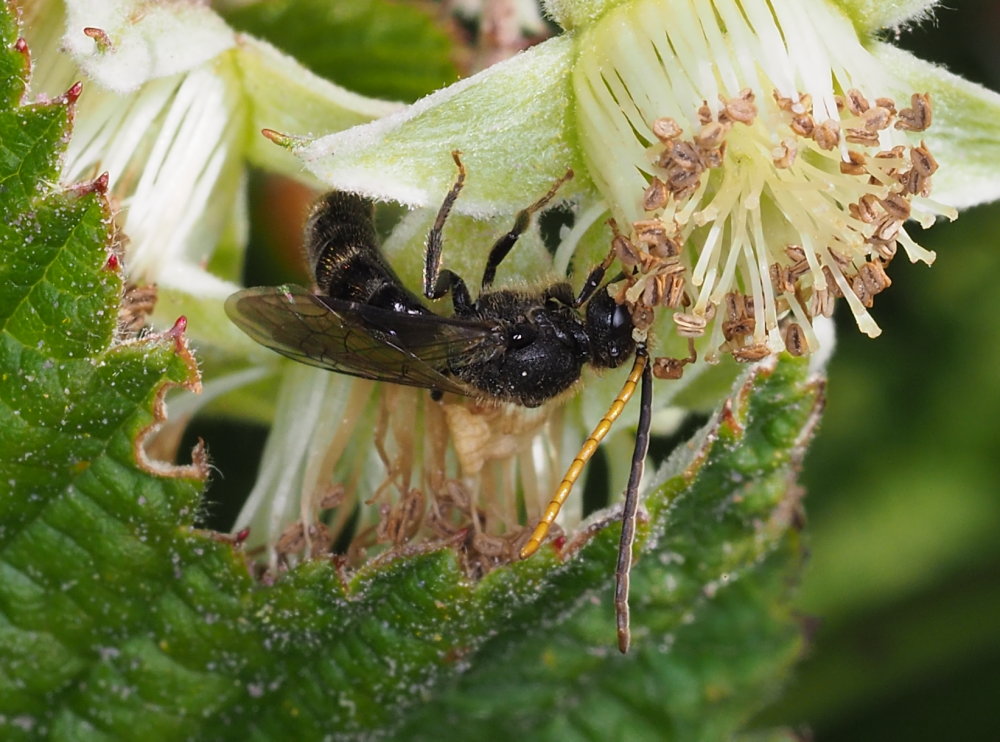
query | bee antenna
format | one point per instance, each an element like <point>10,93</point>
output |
<point>587,450</point>
<point>624,567</point>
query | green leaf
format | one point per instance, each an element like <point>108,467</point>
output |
<point>368,46</point>
<point>120,621</point>
<point>710,611</point>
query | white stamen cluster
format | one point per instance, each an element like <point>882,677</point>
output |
<point>843,198</point>
<point>454,485</point>
<point>758,180</point>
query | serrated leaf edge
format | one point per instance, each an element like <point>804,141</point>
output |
<point>199,466</point>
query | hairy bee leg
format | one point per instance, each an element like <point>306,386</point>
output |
<point>624,567</point>
<point>586,451</point>
<point>437,283</point>
<point>594,279</point>
<point>503,245</point>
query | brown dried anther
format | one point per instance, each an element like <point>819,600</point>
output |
<point>923,161</point>
<point>739,318</point>
<point>827,134</point>
<point>918,116</point>
<point>855,164</point>
<point>741,109</point>
<point>673,368</point>
<point>855,102</point>
<point>691,325</point>
<point>655,196</point>
<point>784,154</point>
<point>795,339</point>
<point>751,353</point>
<point>666,129</point>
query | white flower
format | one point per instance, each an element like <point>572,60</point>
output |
<point>774,179</point>
<point>172,107</point>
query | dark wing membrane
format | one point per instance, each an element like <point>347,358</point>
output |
<point>359,339</point>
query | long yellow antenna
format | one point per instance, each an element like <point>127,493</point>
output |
<point>586,451</point>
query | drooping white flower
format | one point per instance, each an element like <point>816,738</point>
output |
<point>758,147</point>
<point>172,107</point>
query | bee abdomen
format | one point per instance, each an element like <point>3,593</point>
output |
<point>343,254</point>
<point>339,233</point>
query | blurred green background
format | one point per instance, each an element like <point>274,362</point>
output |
<point>902,593</point>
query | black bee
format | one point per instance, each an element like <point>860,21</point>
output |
<point>518,346</point>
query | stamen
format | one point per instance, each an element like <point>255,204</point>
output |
<point>740,118</point>
<point>747,124</point>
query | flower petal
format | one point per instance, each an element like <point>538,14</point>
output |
<point>510,121</point>
<point>966,132</point>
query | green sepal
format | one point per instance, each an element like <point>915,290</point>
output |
<point>271,79</point>
<point>571,14</point>
<point>872,15</point>
<point>509,122</point>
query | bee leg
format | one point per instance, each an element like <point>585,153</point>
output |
<point>561,291</point>
<point>503,245</point>
<point>594,279</point>
<point>624,566</point>
<point>439,282</point>
<point>449,281</point>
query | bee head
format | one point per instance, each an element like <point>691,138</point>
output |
<point>609,328</point>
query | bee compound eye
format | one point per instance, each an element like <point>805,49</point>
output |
<point>621,317</point>
<point>609,328</point>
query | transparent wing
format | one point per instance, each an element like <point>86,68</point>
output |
<point>361,340</point>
